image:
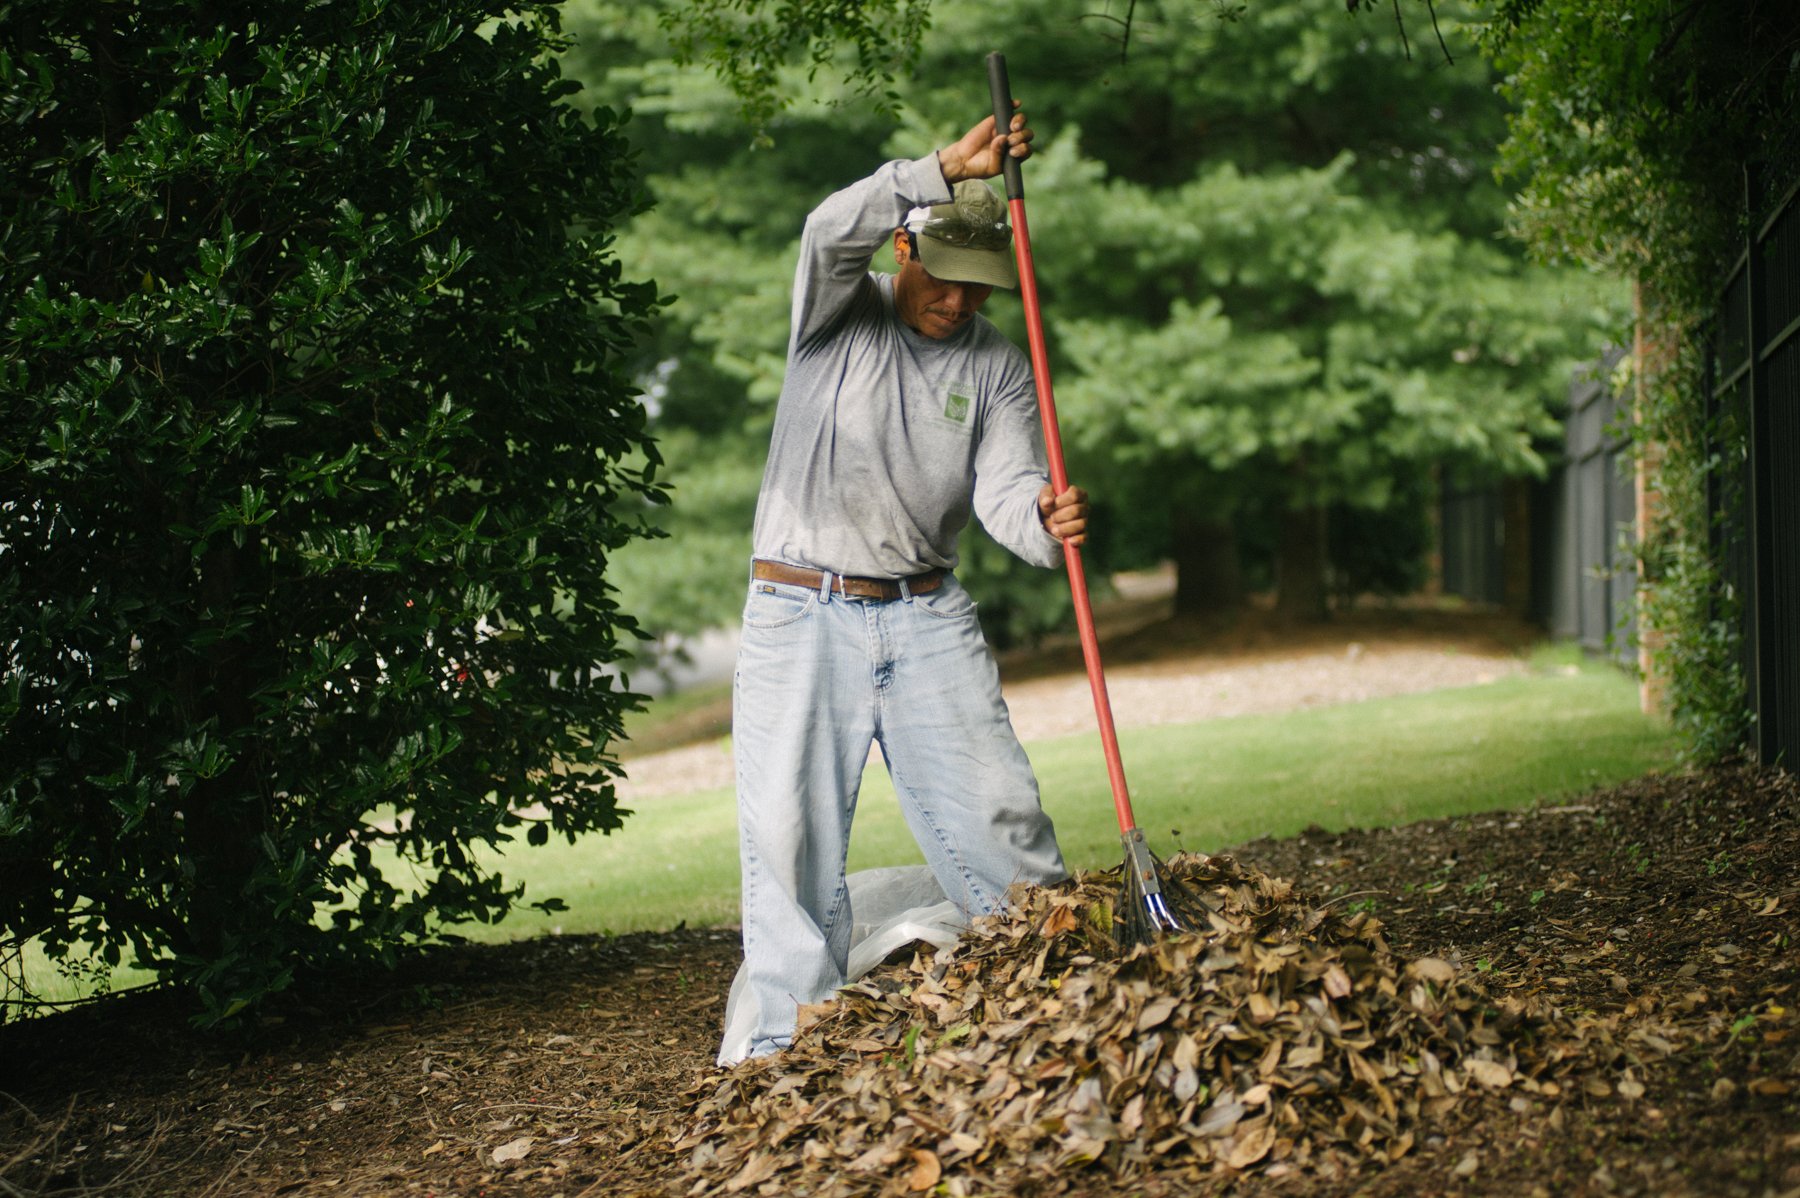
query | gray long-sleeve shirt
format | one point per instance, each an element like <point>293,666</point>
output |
<point>885,440</point>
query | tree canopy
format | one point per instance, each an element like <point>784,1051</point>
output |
<point>1270,262</point>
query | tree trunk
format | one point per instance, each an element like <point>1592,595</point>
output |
<point>1300,566</point>
<point>222,816</point>
<point>1207,576</point>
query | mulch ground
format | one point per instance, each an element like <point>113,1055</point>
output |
<point>1652,926</point>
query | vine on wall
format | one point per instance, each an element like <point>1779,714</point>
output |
<point>1633,124</point>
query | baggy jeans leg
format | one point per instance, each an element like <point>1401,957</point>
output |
<point>802,724</point>
<point>964,782</point>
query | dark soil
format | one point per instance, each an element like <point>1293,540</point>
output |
<point>1661,915</point>
<point>1665,910</point>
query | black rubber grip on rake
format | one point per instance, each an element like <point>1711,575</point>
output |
<point>1001,91</point>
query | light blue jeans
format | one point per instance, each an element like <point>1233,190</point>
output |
<point>819,678</point>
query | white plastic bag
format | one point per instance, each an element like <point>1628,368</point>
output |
<point>890,908</point>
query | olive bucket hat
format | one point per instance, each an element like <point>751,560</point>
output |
<point>966,240</point>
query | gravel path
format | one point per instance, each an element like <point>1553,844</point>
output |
<point>1169,691</point>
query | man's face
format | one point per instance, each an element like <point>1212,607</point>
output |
<point>932,306</point>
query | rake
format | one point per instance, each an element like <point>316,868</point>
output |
<point>1150,901</point>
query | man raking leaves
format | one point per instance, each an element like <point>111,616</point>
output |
<point>903,413</point>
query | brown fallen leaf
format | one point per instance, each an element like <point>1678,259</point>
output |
<point>1060,920</point>
<point>1253,1143</point>
<point>1157,1012</point>
<point>1221,1119</point>
<point>1285,1038</point>
<point>513,1150</point>
<point>1432,969</point>
<point>759,1168</point>
<point>1491,1074</point>
<point>926,1170</point>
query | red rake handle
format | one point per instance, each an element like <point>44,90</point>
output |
<point>1001,90</point>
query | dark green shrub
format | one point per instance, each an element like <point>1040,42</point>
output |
<point>309,470</point>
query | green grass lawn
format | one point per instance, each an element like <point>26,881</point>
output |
<point>1568,726</point>
<point>1565,728</point>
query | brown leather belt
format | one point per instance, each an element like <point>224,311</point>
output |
<point>843,584</point>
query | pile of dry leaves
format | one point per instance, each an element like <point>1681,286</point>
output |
<point>1285,1038</point>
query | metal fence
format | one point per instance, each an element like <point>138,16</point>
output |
<point>1472,542</point>
<point>1582,582</point>
<point>1589,590</point>
<point>1754,380</point>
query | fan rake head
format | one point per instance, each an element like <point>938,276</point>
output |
<point>1152,900</point>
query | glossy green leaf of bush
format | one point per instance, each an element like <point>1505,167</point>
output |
<point>314,452</point>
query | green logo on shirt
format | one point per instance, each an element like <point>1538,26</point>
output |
<point>957,407</point>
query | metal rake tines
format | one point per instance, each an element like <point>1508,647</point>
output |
<point>1135,922</point>
<point>1151,900</point>
<point>1190,906</point>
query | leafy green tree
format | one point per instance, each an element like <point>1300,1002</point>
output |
<point>1632,122</point>
<point>1333,351</point>
<point>752,45</point>
<point>1268,254</point>
<point>318,442</point>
